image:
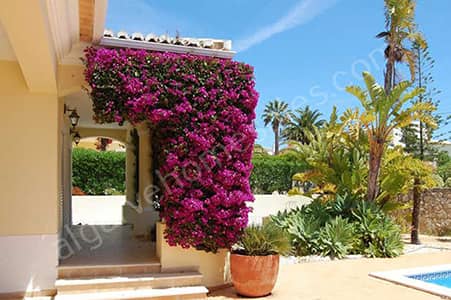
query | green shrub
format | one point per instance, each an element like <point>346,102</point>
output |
<point>340,227</point>
<point>304,232</point>
<point>438,181</point>
<point>448,183</point>
<point>378,235</point>
<point>336,238</point>
<point>273,173</point>
<point>445,171</point>
<point>98,173</point>
<point>260,240</point>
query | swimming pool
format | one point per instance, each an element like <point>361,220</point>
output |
<point>438,278</point>
<point>434,279</point>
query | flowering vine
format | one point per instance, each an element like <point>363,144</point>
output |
<point>203,110</point>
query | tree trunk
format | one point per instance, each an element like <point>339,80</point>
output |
<point>388,84</point>
<point>414,239</point>
<point>276,140</point>
<point>376,151</point>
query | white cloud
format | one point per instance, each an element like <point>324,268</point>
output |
<point>302,13</point>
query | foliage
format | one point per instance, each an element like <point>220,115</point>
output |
<point>259,150</point>
<point>337,238</point>
<point>346,225</point>
<point>261,240</point>
<point>398,174</point>
<point>383,112</point>
<point>401,32</point>
<point>301,122</point>
<point>445,171</point>
<point>273,173</point>
<point>438,181</point>
<point>443,158</point>
<point>378,235</point>
<point>417,136</point>
<point>97,173</point>
<point>277,114</point>
<point>335,157</point>
<point>448,183</point>
<point>203,109</point>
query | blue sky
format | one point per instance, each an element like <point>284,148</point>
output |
<point>304,51</point>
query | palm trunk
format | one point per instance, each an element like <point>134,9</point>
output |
<point>389,80</point>
<point>376,151</point>
<point>414,239</point>
<point>276,140</point>
<point>388,85</point>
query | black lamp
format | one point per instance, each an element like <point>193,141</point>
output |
<point>77,138</point>
<point>74,118</point>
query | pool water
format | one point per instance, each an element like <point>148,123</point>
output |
<point>438,278</point>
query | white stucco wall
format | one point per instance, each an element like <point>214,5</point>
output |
<point>28,262</point>
<point>97,210</point>
<point>265,205</point>
<point>86,209</point>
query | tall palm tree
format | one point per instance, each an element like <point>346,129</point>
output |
<point>400,30</point>
<point>383,112</point>
<point>277,114</point>
<point>301,122</point>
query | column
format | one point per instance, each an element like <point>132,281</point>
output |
<point>145,164</point>
<point>130,168</point>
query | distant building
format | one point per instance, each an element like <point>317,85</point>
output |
<point>442,146</point>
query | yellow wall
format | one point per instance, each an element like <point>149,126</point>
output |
<point>29,168</point>
<point>213,267</point>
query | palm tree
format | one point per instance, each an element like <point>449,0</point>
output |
<point>383,112</point>
<point>277,114</point>
<point>301,122</point>
<point>400,29</point>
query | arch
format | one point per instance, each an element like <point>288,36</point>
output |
<point>116,134</point>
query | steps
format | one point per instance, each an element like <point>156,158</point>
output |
<point>197,292</point>
<point>107,270</point>
<point>127,282</point>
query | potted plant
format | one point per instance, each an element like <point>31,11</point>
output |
<point>254,260</point>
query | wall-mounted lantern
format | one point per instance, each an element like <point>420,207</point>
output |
<point>74,118</point>
<point>77,138</point>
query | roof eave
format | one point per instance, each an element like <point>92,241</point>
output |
<point>125,43</point>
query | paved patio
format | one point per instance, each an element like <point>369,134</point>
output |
<point>346,280</point>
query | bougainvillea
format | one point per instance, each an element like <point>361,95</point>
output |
<point>203,109</point>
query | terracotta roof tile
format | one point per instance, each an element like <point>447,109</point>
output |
<point>225,45</point>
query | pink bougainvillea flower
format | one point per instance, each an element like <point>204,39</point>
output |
<point>203,109</point>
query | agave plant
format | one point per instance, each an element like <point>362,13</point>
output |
<point>337,238</point>
<point>262,240</point>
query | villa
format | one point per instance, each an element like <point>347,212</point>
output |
<point>44,108</point>
<point>130,168</point>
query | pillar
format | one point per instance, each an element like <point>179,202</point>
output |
<point>139,211</point>
<point>130,169</point>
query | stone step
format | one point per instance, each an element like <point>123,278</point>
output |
<point>65,272</point>
<point>176,293</point>
<point>128,282</point>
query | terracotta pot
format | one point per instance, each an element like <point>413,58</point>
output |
<point>254,276</point>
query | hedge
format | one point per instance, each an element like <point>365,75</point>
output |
<point>274,173</point>
<point>95,172</point>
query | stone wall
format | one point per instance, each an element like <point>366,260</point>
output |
<point>435,217</point>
